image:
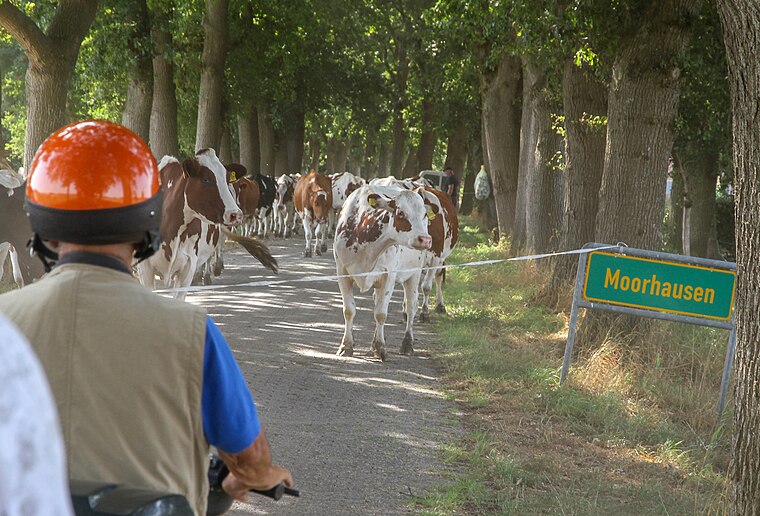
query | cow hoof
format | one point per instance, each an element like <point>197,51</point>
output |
<point>381,354</point>
<point>345,352</point>
<point>307,253</point>
<point>218,269</point>
<point>424,317</point>
<point>324,247</point>
<point>440,309</point>
<point>407,346</point>
<point>317,252</point>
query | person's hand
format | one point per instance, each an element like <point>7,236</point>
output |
<point>239,490</point>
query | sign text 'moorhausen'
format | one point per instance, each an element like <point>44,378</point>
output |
<point>659,285</point>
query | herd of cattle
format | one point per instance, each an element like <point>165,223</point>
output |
<point>386,231</point>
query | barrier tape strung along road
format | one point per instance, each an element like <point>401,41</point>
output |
<point>311,279</point>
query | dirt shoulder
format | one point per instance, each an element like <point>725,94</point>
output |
<point>360,436</point>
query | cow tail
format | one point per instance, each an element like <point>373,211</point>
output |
<point>255,248</point>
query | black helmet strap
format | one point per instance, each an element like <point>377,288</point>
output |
<point>47,256</point>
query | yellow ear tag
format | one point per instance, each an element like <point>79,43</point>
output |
<point>372,201</point>
<point>233,177</point>
<point>430,214</point>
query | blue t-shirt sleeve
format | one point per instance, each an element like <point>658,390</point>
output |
<point>229,415</point>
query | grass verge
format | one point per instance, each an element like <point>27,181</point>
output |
<point>632,431</point>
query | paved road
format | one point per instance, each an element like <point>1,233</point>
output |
<point>360,435</point>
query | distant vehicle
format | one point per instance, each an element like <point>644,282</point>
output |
<point>435,177</point>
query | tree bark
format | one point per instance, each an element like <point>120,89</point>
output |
<point>295,144</point>
<point>383,167</point>
<point>164,136</point>
<point>341,156</point>
<point>539,176</point>
<point>741,33</point>
<point>676,213</point>
<point>266,142</point>
<point>332,151</point>
<point>428,139</point>
<point>280,153</point>
<point>401,78</point>
<point>456,150</point>
<point>248,134</point>
<point>528,137</point>
<point>225,146</point>
<point>52,58</point>
<point>642,107</point>
<point>501,121</point>
<point>315,148</point>
<point>585,107</point>
<point>700,167</point>
<point>474,161</point>
<point>137,108</point>
<point>209,128</point>
<point>410,165</point>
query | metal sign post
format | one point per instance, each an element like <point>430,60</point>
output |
<point>656,285</point>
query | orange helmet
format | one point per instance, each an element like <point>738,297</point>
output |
<point>94,182</point>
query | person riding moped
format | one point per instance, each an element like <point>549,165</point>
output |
<point>143,384</point>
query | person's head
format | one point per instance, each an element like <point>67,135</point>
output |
<point>448,171</point>
<point>94,184</point>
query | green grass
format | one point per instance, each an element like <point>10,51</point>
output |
<point>633,431</point>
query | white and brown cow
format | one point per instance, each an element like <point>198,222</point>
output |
<point>443,226</point>
<point>313,202</point>
<point>376,228</point>
<point>343,185</point>
<point>197,202</point>
<point>284,209</point>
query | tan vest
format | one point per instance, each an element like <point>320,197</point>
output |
<point>125,366</point>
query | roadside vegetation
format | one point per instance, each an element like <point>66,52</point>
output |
<point>634,429</point>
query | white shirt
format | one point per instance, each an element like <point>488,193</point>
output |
<point>33,477</point>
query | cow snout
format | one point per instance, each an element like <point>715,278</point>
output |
<point>233,218</point>
<point>423,242</point>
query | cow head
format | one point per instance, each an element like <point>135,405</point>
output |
<point>320,201</point>
<point>207,190</point>
<point>409,217</point>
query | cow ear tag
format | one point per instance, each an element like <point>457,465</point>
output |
<point>233,177</point>
<point>430,214</point>
<point>372,201</point>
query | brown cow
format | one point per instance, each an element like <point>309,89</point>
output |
<point>197,203</point>
<point>313,201</point>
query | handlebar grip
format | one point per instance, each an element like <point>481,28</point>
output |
<point>277,491</point>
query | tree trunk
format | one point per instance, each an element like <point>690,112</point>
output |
<point>456,150</point>
<point>280,153</point>
<point>528,138</point>
<point>383,167</point>
<point>676,213</point>
<point>585,106</point>
<point>266,142</point>
<point>642,108</point>
<point>539,176</point>
<point>501,119</point>
<point>643,97</point>
<point>295,144</point>
<point>410,165</point>
<point>225,146</point>
<point>700,168</point>
<point>474,161</point>
<point>428,139</point>
<point>248,134</point>
<point>137,108</point>
<point>315,150</point>
<point>164,136</point>
<point>341,156</point>
<point>369,168</point>
<point>209,128</point>
<point>52,58</point>
<point>741,32</point>
<point>355,155</point>
<point>332,150</point>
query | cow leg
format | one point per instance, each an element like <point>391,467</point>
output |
<point>184,277</point>
<point>146,274</point>
<point>320,246</point>
<point>382,295</point>
<point>307,235</point>
<point>331,225</point>
<point>440,277</point>
<point>426,284</point>
<point>346,286</point>
<point>411,292</point>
